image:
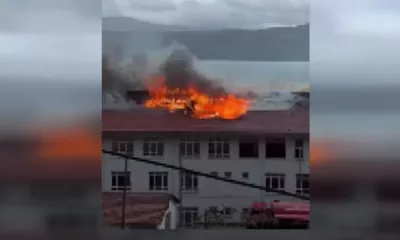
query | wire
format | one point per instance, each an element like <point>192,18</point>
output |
<point>232,181</point>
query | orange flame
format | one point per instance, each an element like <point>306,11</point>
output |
<point>69,144</point>
<point>203,107</point>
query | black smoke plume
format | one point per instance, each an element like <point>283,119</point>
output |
<point>180,72</point>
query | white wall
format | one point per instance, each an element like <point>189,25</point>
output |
<point>212,192</point>
<point>173,210</point>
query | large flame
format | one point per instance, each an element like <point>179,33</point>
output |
<point>202,105</point>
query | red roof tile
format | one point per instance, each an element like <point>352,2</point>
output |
<point>262,122</point>
<point>140,209</point>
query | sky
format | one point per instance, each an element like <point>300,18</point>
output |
<point>34,34</point>
<point>45,43</point>
<point>355,42</point>
<point>220,13</point>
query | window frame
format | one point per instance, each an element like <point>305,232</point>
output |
<point>228,175</point>
<point>159,147</point>
<point>281,179</point>
<point>164,181</point>
<point>249,141</point>
<point>116,147</point>
<point>115,176</point>
<point>300,178</point>
<point>224,144</point>
<point>194,186</point>
<point>276,141</point>
<point>299,149</point>
<point>195,145</point>
<point>194,214</point>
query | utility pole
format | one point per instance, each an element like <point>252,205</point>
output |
<point>205,218</point>
<point>124,193</point>
<point>180,185</point>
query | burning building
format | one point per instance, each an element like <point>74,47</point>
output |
<point>185,118</point>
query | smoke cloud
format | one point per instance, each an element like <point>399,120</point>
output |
<point>180,72</point>
<point>175,63</point>
<point>178,67</point>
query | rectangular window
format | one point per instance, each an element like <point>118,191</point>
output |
<point>245,175</point>
<point>218,148</point>
<point>123,147</point>
<point>303,184</point>
<point>214,173</point>
<point>228,174</point>
<point>189,182</point>
<point>275,148</point>
<point>228,211</point>
<point>189,216</point>
<point>275,181</point>
<point>153,147</point>
<point>213,209</point>
<point>245,211</point>
<point>299,149</point>
<point>158,181</point>
<point>248,148</point>
<point>118,180</point>
<point>189,148</point>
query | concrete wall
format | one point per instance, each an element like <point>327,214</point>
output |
<point>212,192</point>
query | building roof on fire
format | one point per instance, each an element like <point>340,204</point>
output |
<point>295,121</point>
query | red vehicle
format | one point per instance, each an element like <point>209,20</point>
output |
<point>291,215</point>
<point>259,216</point>
<point>278,215</point>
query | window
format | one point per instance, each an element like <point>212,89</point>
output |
<point>158,181</point>
<point>218,148</point>
<point>245,175</point>
<point>214,173</point>
<point>189,182</point>
<point>228,211</point>
<point>213,209</point>
<point>248,148</point>
<point>275,181</point>
<point>153,147</point>
<point>188,216</point>
<point>118,180</point>
<point>189,148</point>
<point>302,184</point>
<point>245,211</point>
<point>299,149</point>
<point>275,148</point>
<point>123,147</point>
<point>228,174</point>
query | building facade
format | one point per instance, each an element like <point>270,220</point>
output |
<point>276,160</point>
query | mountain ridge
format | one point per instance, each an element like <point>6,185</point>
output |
<point>235,44</point>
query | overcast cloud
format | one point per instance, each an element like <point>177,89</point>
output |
<point>47,49</point>
<point>213,13</point>
<point>355,42</point>
<point>46,39</point>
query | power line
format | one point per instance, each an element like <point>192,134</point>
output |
<point>232,181</point>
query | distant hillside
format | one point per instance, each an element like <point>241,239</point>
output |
<point>272,44</point>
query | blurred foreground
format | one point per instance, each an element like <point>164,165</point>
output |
<point>51,182</point>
